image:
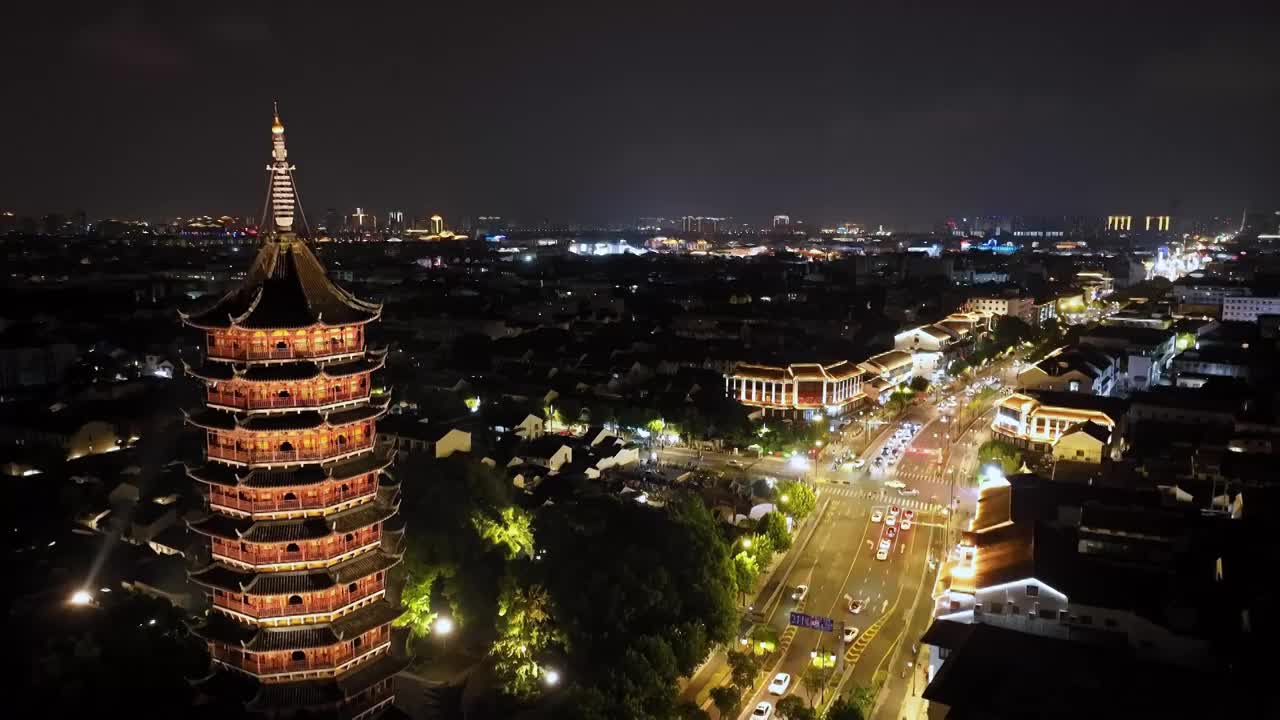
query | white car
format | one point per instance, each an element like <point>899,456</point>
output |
<point>779,686</point>
<point>802,591</point>
<point>906,524</point>
<point>882,554</point>
<point>877,516</point>
<point>859,462</point>
<point>895,484</point>
<point>735,464</point>
<point>763,711</point>
<point>850,634</point>
<point>911,492</point>
<point>890,521</point>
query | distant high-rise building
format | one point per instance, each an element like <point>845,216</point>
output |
<point>1158,223</point>
<point>1119,223</point>
<point>781,220</point>
<point>332,220</point>
<point>437,225</point>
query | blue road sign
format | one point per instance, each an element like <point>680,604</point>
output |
<point>813,622</point>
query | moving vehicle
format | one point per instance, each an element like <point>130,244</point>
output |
<point>885,543</point>
<point>850,634</point>
<point>801,592</point>
<point>895,511</point>
<point>905,524</point>
<point>908,492</point>
<point>908,514</point>
<point>890,521</point>
<point>779,686</point>
<point>735,464</point>
<point>859,462</point>
<point>763,711</point>
<point>896,484</point>
<point>891,532</point>
<point>882,554</point>
<point>855,606</point>
<point>877,516</point>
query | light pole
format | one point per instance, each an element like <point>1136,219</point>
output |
<point>444,627</point>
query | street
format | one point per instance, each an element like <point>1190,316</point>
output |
<point>839,562</point>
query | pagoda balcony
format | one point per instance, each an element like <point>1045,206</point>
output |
<point>279,606</point>
<point>327,661</point>
<point>256,456</point>
<point>291,499</point>
<point>289,352</point>
<point>266,554</point>
<point>241,401</point>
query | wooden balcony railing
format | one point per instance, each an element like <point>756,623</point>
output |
<point>284,456</point>
<point>322,500</point>
<point>270,555</point>
<point>222,351</point>
<point>273,402</point>
<point>275,664</point>
<point>308,606</point>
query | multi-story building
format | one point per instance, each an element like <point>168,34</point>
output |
<point>1036,419</point>
<point>1145,353</point>
<point>302,519</point>
<point>804,389</point>
<point>1248,308</point>
<point>1206,294</point>
<point>1023,308</point>
<point>1072,369</point>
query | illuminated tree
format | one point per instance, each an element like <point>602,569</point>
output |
<point>792,707</point>
<point>525,630</point>
<point>774,526</point>
<point>801,500</point>
<point>416,598</point>
<point>727,699</point>
<point>511,529</point>
<point>745,667</point>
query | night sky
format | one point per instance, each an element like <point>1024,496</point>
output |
<point>590,113</point>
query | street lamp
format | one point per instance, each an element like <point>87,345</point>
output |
<point>746,543</point>
<point>784,498</point>
<point>551,678</point>
<point>81,598</point>
<point>444,625</point>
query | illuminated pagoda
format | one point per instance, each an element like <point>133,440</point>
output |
<point>302,518</point>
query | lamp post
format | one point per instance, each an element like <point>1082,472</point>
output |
<point>444,628</point>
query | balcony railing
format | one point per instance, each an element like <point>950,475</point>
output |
<point>282,505</point>
<point>308,606</point>
<point>259,555</point>
<point>272,402</point>
<point>241,455</point>
<point>270,352</point>
<point>329,659</point>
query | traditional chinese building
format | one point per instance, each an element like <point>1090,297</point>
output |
<point>302,524</point>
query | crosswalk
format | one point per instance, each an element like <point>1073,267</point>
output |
<point>880,496</point>
<point>921,476</point>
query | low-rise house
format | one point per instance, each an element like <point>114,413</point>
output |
<point>1077,368</point>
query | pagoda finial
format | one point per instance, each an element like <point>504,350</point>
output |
<point>281,178</point>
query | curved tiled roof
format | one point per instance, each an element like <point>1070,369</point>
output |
<point>234,580</point>
<point>219,474</point>
<point>210,419</point>
<point>286,288</point>
<point>301,370</point>
<point>220,628</point>
<point>309,528</point>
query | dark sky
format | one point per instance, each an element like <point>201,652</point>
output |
<point>898,112</point>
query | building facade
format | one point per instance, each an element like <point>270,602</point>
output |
<point>302,517</point>
<point>1248,308</point>
<point>800,388</point>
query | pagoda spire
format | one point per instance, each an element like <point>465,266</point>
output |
<point>280,173</point>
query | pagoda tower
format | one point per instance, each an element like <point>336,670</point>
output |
<point>302,516</point>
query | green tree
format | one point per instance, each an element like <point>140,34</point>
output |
<point>689,710</point>
<point>919,384</point>
<point>727,699</point>
<point>525,632</point>
<point>800,500</point>
<point>510,529</point>
<point>1005,455</point>
<point>745,572</point>
<point>845,709</point>
<point>774,526</point>
<point>651,587</point>
<point>745,667</point>
<point>815,679</point>
<point>416,597</point>
<point>792,707</point>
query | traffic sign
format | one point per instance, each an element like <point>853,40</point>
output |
<point>813,622</point>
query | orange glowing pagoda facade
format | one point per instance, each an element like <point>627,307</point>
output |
<point>302,515</point>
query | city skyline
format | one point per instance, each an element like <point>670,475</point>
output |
<point>539,117</point>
